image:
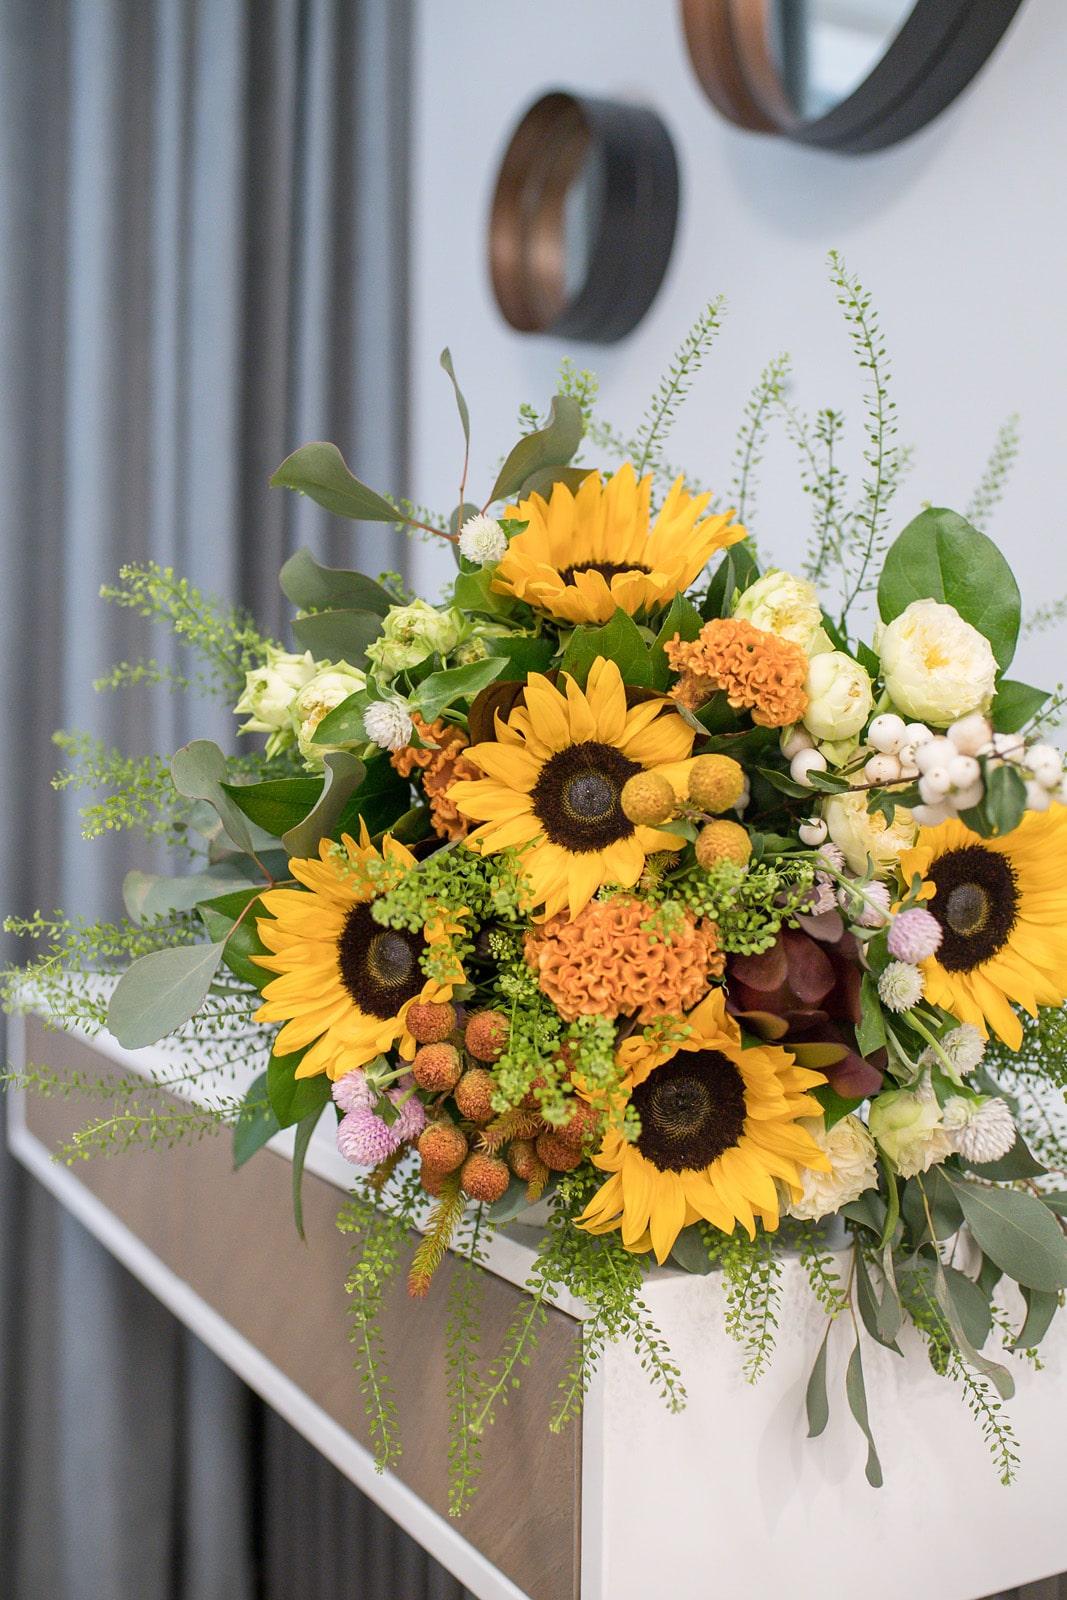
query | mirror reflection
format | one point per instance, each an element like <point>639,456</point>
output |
<point>824,49</point>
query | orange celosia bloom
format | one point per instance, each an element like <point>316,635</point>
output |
<point>440,767</point>
<point>605,963</point>
<point>757,670</point>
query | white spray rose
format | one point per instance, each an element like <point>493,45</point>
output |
<point>410,634</point>
<point>779,603</point>
<point>935,666</point>
<point>321,695</point>
<point>908,1127</point>
<point>269,693</point>
<point>859,833</point>
<point>839,694</point>
<point>853,1169</point>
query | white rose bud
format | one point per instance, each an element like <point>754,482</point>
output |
<point>410,634</point>
<point>861,833</point>
<point>839,696</point>
<point>936,666</point>
<point>482,539</point>
<point>779,603</point>
<point>321,695</point>
<point>907,1124</point>
<point>269,693</point>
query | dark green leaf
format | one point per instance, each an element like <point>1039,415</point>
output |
<point>277,804</point>
<point>342,777</point>
<point>784,783</point>
<point>682,621</point>
<point>441,689</point>
<point>344,724</point>
<point>1041,1306</point>
<point>313,587</point>
<point>1015,704</point>
<point>939,556</point>
<point>304,1129</point>
<point>943,1204</point>
<point>1017,1231</point>
<point>618,640</point>
<point>160,992</point>
<point>551,446</point>
<point>338,635</point>
<point>870,1033</point>
<point>868,660</point>
<point>524,653</point>
<point>869,1211</point>
<point>256,1123</point>
<point>473,591</point>
<point>834,1105</point>
<point>319,471</point>
<point>815,1398</point>
<point>199,773</point>
<point>461,404</point>
<point>736,571</point>
<point>242,942</point>
<point>856,1391</point>
<point>294,1098</point>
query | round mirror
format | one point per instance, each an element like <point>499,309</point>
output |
<point>583,217</point>
<point>851,75</point>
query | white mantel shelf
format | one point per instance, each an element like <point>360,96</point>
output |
<point>728,1499</point>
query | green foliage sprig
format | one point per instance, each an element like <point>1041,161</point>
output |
<point>760,407</point>
<point>994,480</point>
<point>676,384</point>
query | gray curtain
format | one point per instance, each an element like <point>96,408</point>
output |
<point>202,263</point>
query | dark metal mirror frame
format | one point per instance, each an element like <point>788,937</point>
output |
<point>939,48</point>
<point>635,222</point>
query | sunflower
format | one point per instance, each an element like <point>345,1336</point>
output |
<point>1002,906</point>
<point>346,982</point>
<point>553,780</point>
<point>719,1124</point>
<point>582,556</point>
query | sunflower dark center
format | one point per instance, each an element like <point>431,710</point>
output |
<point>977,903</point>
<point>691,1110</point>
<point>577,794</point>
<point>379,966</point>
<point>607,569</point>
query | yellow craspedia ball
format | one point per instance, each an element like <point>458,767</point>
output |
<point>723,841</point>
<point>715,783</point>
<point>647,799</point>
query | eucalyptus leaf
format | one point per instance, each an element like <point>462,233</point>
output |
<point>159,992</point>
<point>342,776</point>
<point>313,587</point>
<point>1015,704</point>
<point>241,939</point>
<point>869,1308</point>
<point>544,480</point>
<point>319,471</point>
<point>256,1123</point>
<point>972,1306</point>
<point>940,556</point>
<point>856,1391</point>
<point>618,640</point>
<point>1041,1306</point>
<point>441,689</point>
<point>690,1253</point>
<point>998,1375</point>
<point>551,446</point>
<point>816,1402</point>
<point>199,771</point>
<point>147,895</point>
<point>461,404</point>
<point>1016,1231</point>
<point>338,635</point>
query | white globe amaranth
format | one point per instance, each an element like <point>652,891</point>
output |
<point>860,833</point>
<point>981,1127</point>
<point>482,539</point>
<point>388,724</point>
<point>787,606</point>
<point>840,697</point>
<point>900,986</point>
<point>853,1169</point>
<point>906,1125</point>
<point>322,694</point>
<point>936,667</point>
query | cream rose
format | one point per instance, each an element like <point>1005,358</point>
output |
<point>410,634</point>
<point>839,694</point>
<point>936,667</point>
<point>907,1126</point>
<point>323,694</point>
<point>779,603</point>
<point>853,1168</point>
<point>859,833</point>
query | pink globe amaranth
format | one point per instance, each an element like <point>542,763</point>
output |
<point>412,1119</point>
<point>914,935</point>
<point>352,1092</point>
<point>365,1139</point>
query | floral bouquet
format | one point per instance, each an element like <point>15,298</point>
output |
<point>633,883</point>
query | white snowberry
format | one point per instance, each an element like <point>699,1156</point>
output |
<point>930,816</point>
<point>797,739</point>
<point>934,785</point>
<point>935,752</point>
<point>1046,764</point>
<point>887,733</point>
<point>1009,746</point>
<point>964,799</point>
<point>964,772</point>
<point>1038,798</point>
<point>882,769</point>
<point>971,735</point>
<point>812,832</point>
<point>806,761</point>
